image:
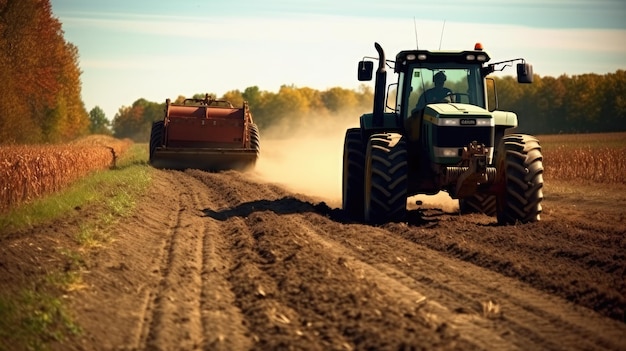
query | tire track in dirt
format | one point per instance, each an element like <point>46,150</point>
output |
<point>278,288</point>
<point>150,319</point>
<point>239,264</point>
<point>523,316</point>
<point>240,281</point>
<point>405,290</point>
<point>478,297</point>
<point>223,323</point>
<point>176,307</point>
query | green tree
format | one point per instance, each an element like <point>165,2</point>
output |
<point>253,96</point>
<point>614,101</point>
<point>99,124</point>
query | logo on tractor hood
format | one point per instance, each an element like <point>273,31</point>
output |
<point>468,122</point>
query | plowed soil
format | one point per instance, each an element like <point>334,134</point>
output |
<point>225,261</point>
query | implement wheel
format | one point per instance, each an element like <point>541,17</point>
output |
<point>156,137</point>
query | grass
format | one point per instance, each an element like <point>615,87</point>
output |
<point>116,187</point>
<point>34,315</point>
<point>32,319</point>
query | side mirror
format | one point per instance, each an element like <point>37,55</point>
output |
<point>524,73</point>
<point>366,68</point>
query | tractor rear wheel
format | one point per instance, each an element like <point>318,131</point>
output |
<point>519,179</point>
<point>156,137</point>
<point>353,174</point>
<point>478,203</point>
<point>386,178</point>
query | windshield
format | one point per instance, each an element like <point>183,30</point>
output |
<point>444,84</point>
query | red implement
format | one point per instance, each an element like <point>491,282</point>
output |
<point>205,134</point>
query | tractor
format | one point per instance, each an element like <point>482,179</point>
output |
<point>438,128</point>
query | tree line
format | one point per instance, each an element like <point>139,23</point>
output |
<point>588,103</point>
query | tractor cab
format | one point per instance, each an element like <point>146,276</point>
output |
<point>463,74</point>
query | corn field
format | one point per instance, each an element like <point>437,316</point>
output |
<point>30,171</point>
<point>590,158</point>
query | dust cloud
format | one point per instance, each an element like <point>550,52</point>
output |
<point>307,158</point>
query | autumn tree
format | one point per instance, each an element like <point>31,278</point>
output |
<point>40,98</point>
<point>135,121</point>
<point>234,97</point>
<point>337,99</point>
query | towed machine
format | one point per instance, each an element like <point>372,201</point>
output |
<point>205,134</point>
<point>438,128</point>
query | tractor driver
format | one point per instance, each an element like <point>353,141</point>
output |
<point>437,94</point>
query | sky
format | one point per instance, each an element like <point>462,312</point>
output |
<point>162,49</point>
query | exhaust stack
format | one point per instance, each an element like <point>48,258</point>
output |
<point>379,88</point>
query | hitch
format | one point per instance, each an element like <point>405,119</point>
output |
<point>474,157</point>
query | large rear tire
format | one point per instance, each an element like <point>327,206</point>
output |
<point>478,203</point>
<point>519,179</point>
<point>386,178</point>
<point>156,137</point>
<point>353,174</point>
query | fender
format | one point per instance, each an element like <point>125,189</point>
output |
<point>389,122</point>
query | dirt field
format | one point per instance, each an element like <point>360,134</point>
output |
<point>228,262</point>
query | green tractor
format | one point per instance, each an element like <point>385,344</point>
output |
<point>443,133</point>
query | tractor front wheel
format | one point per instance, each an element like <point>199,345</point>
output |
<point>386,178</point>
<point>519,179</point>
<point>478,203</point>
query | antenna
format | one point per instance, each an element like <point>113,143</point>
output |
<point>441,38</point>
<point>417,45</point>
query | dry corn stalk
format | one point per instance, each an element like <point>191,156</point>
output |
<point>28,172</point>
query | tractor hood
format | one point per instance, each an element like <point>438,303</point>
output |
<point>456,110</point>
